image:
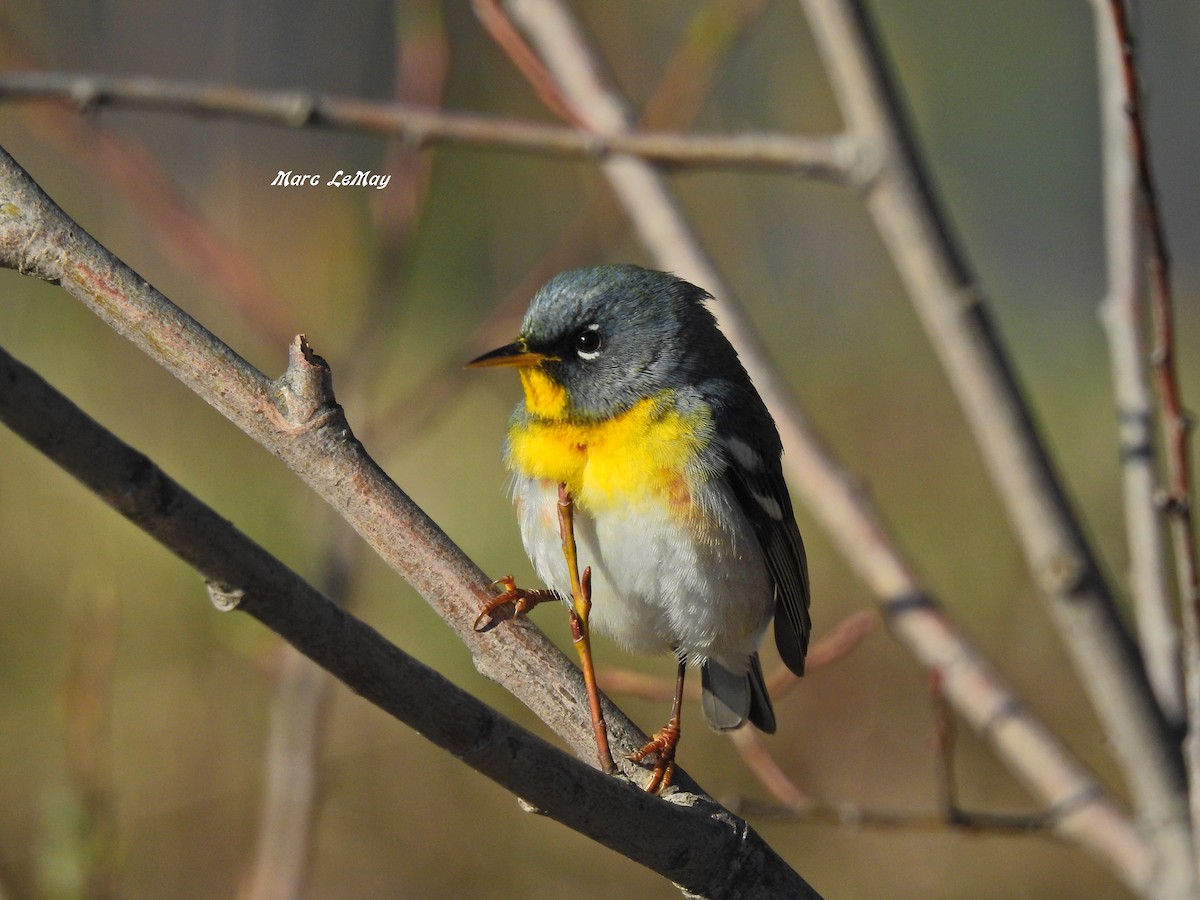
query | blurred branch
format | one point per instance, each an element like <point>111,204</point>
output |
<point>124,165</point>
<point>854,816</point>
<point>285,838</point>
<point>841,640</point>
<point>838,643</point>
<point>794,805</point>
<point>422,62</point>
<point>1131,185</point>
<point>87,743</point>
<point>283,851</point>
<point>902,203</point>
<point>1121,313</point>
<point>616,814</point>
<point>748,742</point>
<point>1088,815</point>
<point>688,75</point>
<point>506,35</point>
<point>829,158</point>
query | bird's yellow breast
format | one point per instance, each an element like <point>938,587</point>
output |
<point>643,455</point>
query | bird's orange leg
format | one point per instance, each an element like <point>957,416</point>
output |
<point>522,601</point>
<point>664,742</point>
<point>581,606</point>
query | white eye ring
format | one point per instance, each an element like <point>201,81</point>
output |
<point>588,342</point>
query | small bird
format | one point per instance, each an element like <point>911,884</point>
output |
<point>637,403</point>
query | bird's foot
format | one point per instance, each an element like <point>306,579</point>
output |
<point>662,745</point>
<point>520,599</point>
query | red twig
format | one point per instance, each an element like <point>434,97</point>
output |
<point>758,759</point>
<point>504,33</point>
<point>835,646</point>
<point>844,637</point>
<point>1176,422</point>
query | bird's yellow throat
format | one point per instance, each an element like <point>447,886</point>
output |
<point>544,397</point>
<point>640,455</point>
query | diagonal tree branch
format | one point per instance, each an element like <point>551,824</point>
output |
<point>697,845</point>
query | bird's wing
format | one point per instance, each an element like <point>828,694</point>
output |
<point>760,489</point>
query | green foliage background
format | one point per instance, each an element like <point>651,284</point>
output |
<point>1003,99</point>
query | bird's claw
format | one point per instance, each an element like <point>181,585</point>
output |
<point>522,601</point>
<point>662,745</point>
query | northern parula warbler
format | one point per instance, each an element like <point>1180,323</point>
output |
<point>635,400</point>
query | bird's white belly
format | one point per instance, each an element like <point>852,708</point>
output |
<point>657,584</point>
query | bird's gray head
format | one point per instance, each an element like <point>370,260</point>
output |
<point>597,340</point>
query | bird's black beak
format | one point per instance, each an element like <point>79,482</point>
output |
<point>515,354</point>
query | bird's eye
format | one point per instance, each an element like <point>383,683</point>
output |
<point>588,342</point>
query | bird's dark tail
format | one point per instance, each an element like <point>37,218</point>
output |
<point>730,699</point>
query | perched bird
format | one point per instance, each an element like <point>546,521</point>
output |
<point>638,404</point>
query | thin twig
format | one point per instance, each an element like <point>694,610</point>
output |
<point>1122,315</point>
<point>758,759</point>
<point>852,815</point>
<point>87,698</point>
<point>511,42</point>
<point>835,645</point>
<point>944,740</point>
<point>283,851</point>
<point>795,805</point>
<point>828,158</point>
<point>1176,421</point>
<point>977,691</point>
<point>841,640</point>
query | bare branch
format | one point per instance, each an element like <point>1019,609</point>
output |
<point>1121,313</point>
<point>732,860</point>
<point>958,322</point>
<point>284,846</point>
<point>852,815</point>
<point>841,640</point>
<point>86,703</point>
<point>1132,192</point>
<point>828,158</point>
<point>752,748</point>
<point>285,830</point>
<point>977,691</point>
<point>794,804</point>
<point>283,850</point>
<point>500,27</point>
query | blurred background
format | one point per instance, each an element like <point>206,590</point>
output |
<point>136,717</point>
